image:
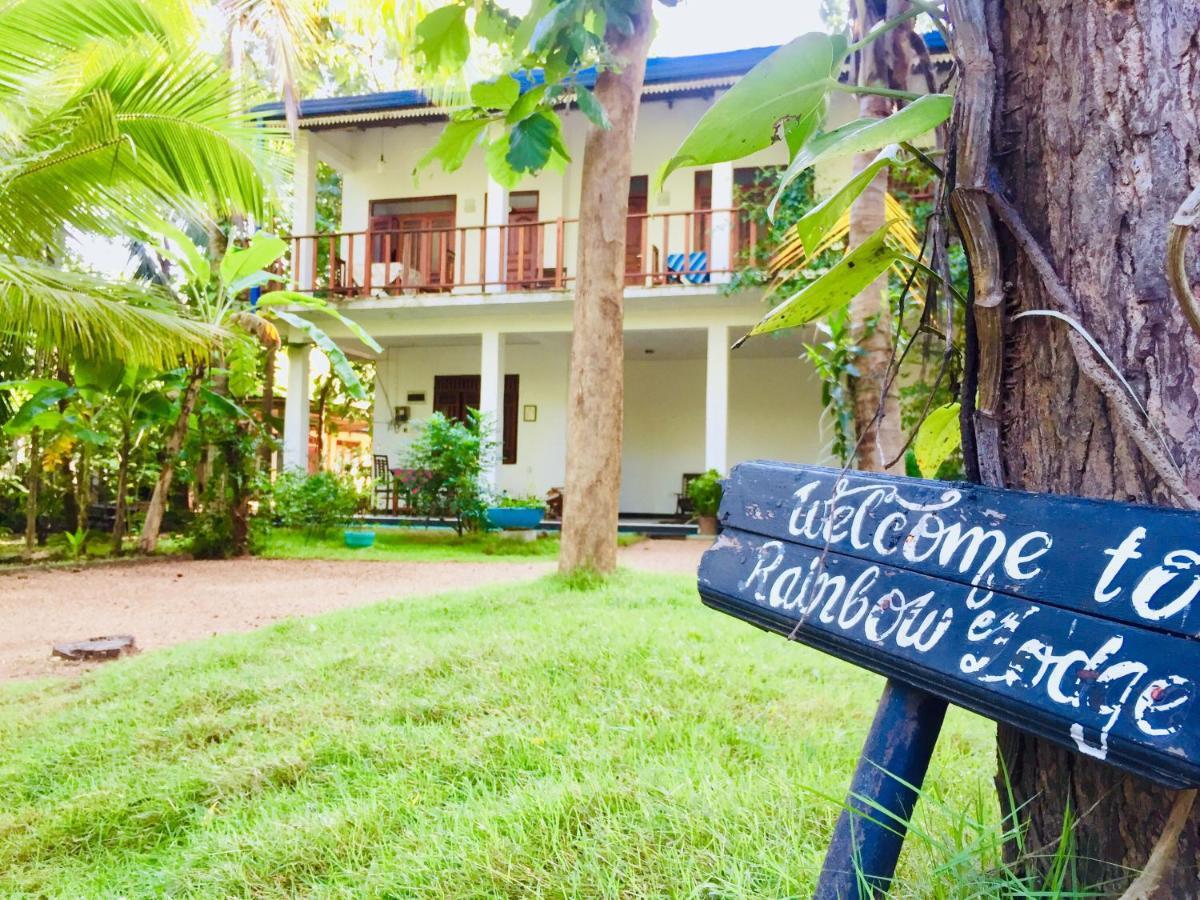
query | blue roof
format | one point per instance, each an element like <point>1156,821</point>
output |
<point>659,70</point>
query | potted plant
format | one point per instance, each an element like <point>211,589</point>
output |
<point>512,513</point>
<point>705,494</point>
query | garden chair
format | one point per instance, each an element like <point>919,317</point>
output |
<point>385,488</point>
<point>683,502</point>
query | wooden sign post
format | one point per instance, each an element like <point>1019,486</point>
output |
<point>1071,619</point>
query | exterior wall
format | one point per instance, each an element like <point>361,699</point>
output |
<point>662,126</point>
<point>774,413</point>
<point>542,368</point>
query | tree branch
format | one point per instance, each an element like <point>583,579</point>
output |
<point>1096,373</point>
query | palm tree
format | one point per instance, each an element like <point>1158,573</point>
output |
<point>107,124</point>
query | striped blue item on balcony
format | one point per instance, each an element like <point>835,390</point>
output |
<point>693,271</point>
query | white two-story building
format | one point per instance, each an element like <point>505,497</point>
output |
<point>468,287</point>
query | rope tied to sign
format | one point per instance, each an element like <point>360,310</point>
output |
<point>1181,226</point>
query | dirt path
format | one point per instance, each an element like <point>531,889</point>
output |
<point>163,603</point>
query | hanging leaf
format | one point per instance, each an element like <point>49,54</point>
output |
<point>789,84</point>
<point>34,411</point>
<point>242,265</point>
<point>444,39</point>
<point>525,105</point>
<point>453,144</point>
<point>275,299</point>
<point>835,289</point>
<point>337,359</point>
<point>591,107</point>
<point>861,135</point>
<point>222,405</point>
<point>501,93</point>
<point>821,219</point>
<point>938,437</point>
<point>497,163</point>
<point>532,141</point>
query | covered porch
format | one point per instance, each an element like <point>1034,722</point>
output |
<point>690,404</point>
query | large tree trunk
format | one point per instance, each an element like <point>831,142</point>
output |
<point>594,411</point>
<point>162,487</point>
<point>1096,140</point>
<point>876,414</point>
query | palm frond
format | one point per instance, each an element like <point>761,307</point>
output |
<point>790,258</point>
<point>149,131</point>
<point>36,33</point>
<point>75,313</point>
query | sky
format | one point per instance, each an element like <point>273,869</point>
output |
<point>708,26</point>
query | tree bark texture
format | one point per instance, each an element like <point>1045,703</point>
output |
<point>596,396</point>
<point>876,414</point>
<point>1096,141</point>
<point>162,487</point>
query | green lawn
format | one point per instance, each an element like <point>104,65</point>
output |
<point>414,544</point>
<point>508,742</point>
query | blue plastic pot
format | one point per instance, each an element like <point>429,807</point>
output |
<point>515,517</point>
<point>358,538</point>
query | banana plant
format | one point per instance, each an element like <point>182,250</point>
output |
<point>216,298</point>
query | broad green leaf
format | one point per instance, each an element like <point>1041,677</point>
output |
<point>548,26</point>
<point>532,141</point>
<point>938,437</point>
<point>494,24</point>
<point>836,288</point>
<point>861,135</point>
<point>501,93</point>
<point>443,38</point>
<point>591,107</point>
<point>275,299</point>
<point>105,375</point>
<point>796,132</point>
<point>538,9</point>
<point>526,104</point>
<point>819,220</point>
<point>790,83</point>
<point>222,405</point>
<point>454,143</point>
<point>497,163</point>
<point>45,400</point>
<point>240,263</point>
<point>337,359</point>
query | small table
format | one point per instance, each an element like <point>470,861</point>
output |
<point>409,479</point>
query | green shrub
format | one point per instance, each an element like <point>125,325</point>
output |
<point>454,455</point>
<point>705,493</point>
<point>209,534</point>
<point>317,503</point>
<point>528,501</point>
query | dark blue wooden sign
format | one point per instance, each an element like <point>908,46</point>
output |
<point>1073,619</point>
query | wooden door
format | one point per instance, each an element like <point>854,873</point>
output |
<point>427,248</point>
<point>453,395</point>
<point>702,224</point>
<point>524,267</point>
<point>635,229</point>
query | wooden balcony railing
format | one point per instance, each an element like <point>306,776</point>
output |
<point>674,248</point>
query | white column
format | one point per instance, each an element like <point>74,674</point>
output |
<point>722,221</point>
<point>716,400</point>
<point>295,410</point>
<point>497,217</point>
<point>304,209</point>
<point>491,395</point>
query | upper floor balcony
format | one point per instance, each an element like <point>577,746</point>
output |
<point>420,250</point>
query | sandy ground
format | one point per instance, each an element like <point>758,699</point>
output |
<point>163,603</point>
